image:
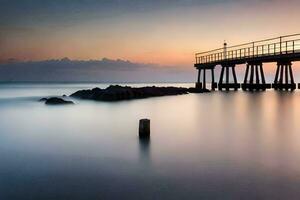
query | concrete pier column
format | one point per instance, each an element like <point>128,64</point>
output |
<point>263,80</point>
<point>221,79</point>
<point>227,75</point>
<point>257,80</point>
<point>246,75</point>
<point>204,79</point>
<point>281,74</point>
<point>257,75</point>
<point>251,74</point>
<point>234,76</point>
<point>213,79</point>
<point>227,85</point>
<point>227,78</point>
<point>199,74</point>
<point>286,74</point>
<point>198,83</point>
<point>284,79</point>
<point>277,74</point>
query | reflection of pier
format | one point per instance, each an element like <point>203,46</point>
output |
<point>282,50</point>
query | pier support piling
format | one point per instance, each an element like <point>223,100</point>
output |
<point>227,85</point>
<point>204,79</point>
<point>213,84</point>
<point>256,81</point>
<point>284,79</point>
<point>201,84</point>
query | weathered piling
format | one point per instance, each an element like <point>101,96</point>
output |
<point>144,128</point>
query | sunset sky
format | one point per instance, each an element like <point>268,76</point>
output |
<point>164,32</point>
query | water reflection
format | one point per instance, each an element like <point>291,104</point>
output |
<point>200,144</point>
<point>144,149</point>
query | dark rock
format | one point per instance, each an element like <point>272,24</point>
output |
<point>198,90</point>
<point>117,93</point>
<point>57,101</point>
<point>43,99</point>
<point>206,90</point>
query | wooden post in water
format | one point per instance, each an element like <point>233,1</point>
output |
<point>144,128</point>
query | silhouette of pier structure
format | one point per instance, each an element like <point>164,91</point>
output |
<point>282,50</point>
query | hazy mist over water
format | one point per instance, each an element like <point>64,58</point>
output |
<point>236,145</point>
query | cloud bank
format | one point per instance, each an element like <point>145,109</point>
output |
<point>105,70</point>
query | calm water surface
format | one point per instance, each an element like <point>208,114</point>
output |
<point>221,145</point>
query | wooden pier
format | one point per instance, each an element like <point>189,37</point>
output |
<point>282,50</point>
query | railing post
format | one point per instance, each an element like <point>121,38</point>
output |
<point>253,49</point>
<point>293,46</point>
<point>280,45</point>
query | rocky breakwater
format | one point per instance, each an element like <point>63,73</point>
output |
<point>117,93</point>
<point>56,101</point>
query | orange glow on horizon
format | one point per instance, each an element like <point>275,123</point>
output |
<point>166,37</point>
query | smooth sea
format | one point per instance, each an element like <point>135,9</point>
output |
<point>219,145</point>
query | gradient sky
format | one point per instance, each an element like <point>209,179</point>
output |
<point>163,32</point>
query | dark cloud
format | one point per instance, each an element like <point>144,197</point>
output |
<point>105,70</point>
<point>30,12</point>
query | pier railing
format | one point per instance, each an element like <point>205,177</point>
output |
<point>288,44</point>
